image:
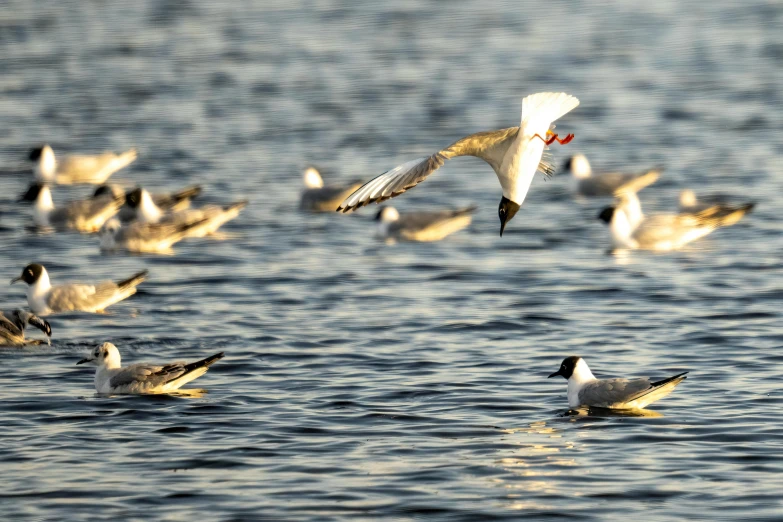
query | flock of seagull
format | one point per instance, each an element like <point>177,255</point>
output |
<point>137,221</point>
<point>130,221</point>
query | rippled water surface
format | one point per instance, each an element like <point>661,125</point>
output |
<point>371,381</point>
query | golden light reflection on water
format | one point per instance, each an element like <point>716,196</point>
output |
<point>535,464</point>
<point>194,393</point>
<point>543,451</point>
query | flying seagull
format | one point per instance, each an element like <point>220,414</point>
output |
<point>513,153</point>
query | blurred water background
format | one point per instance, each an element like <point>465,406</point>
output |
<point>366,381</point>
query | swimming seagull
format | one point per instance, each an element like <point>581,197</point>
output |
<point>85,216</point>
<point>211,217</point>
<point>319,198</point>
<point>166,201</point>
<point>630,229</point>
<point>689,202</point>
<point>83,169</point>
<point>152,238</point>
<point>12,328</point>
<point>585,390</point>
<point>514,154</point>
<point>45,299</point>
<point>141,378</point>
<point>422,226</point>
<point>604,183</point>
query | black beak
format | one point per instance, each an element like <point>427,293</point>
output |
<point>16,280</point>
<point>506,212</point>
<point>84,361</point>
<point>555,374</point>
<point>606,215</point>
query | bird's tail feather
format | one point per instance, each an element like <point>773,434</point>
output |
<point>660,389</point>
<point>133,281</point>
<point>124,159</point>
<point>207,362</point>
<point>723,215</point>
<point>187,193</point>
<point>239,205</point>
<point>547,106</point>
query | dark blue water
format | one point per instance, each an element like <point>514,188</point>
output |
<point>367,381</point>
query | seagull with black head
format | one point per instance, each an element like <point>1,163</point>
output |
<point>621,394</point>
<point>514,154</point>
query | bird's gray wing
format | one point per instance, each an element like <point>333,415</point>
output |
<point>394,182</point>
<point>86,209</point>
<point>671,228</point>
<point>148,231</point>
<point>85,168</point>
<point>606,183</point>
<point>148,375</point>
<point>607,392</point>
<point>329,196</point>
<point>77,296</point>
<point>172,200</point>
<point>415,221</point>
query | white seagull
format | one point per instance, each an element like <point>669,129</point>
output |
<point>602,183</point>
<point>150,238</point>
<point>319,198</point>
<point>85,216</point>
<point>422,226</point>
<point>630,229</point>
<point>513,153</point>
<point>83,169</point>
<point>690,203</point>
<point>211,217</point>
<point>45,299</point>
<point>141,378</point>
<point>585,390</point>
<point>12,328</point>
<point>166,201</point>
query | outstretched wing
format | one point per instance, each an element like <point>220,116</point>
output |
<point>399,179</point>
<point>393,182</point>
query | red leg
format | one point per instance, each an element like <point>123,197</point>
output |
<point>549,141</point>
<point>554,138</point>
<point>565,140</point>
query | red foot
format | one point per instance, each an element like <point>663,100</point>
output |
<point>554,138</point>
